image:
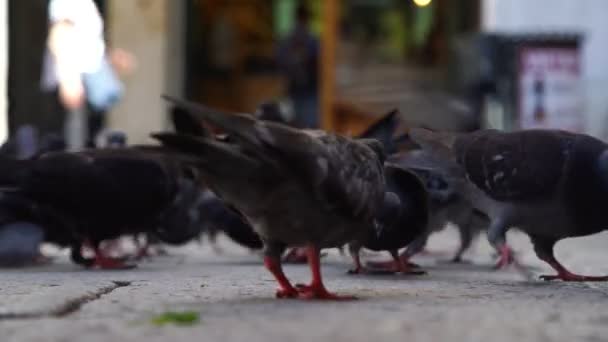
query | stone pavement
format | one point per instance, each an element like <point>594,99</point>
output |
<point>234,296</point>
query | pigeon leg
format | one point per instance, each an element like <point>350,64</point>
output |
<point>544,250</point>
<point>403,267</point>
<point>415,247</point>
<point>212,236</point>
<point>497,238</point>
<point>316,289</point>
<point>506,257</point>
<point>286,290</point>
<point>412,249</point>
<point>353,250</point>
<point>466,238</point>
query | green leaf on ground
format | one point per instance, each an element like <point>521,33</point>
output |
<point>185,318</point>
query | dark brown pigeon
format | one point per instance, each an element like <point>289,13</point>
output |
<point>87,197</point>
<point>447,205</point>
<point>402,218</point>
<point>550,184</point>
<point>295,187</point>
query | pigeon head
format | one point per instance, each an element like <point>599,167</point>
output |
<point>377,147</point>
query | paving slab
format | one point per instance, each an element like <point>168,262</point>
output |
<point>234,296</point>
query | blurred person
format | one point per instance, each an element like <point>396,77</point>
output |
<point>298,57</point>
<point>78,69</point>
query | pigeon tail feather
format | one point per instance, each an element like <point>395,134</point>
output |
<point>212,156</point>
<point>237,125</point>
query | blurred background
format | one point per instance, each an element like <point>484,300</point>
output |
<point>337,64</point>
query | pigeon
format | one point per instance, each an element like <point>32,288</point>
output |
<point>20,239</point>
<point>382,130</point>
<point>183,220</point>
<point>447,205</point>
<point>231,223</point>
<point>403,217</point>
<point>84,198</point>
<point>295,187</point>
<point>216,216</point>
<point>550,184</point>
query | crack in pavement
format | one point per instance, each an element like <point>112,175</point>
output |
<point>69,307</point>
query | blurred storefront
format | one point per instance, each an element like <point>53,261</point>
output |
<point>586,20</point>
<point>419,56</point>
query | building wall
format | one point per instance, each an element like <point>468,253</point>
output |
<point>3,70</point>
<point>584,16</point>
<point>151,30</point>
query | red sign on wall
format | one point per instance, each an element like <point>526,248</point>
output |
<point>550,93</point>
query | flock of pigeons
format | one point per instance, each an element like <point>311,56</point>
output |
<point>271,186</point>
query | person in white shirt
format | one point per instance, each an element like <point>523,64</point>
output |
<point>76,46</point>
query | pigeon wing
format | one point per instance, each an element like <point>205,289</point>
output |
<point>515,166</point>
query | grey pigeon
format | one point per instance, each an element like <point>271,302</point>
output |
<point>550,184</point>
<point>447,205</point>
<point>295,187</point>
<point>402,218</point>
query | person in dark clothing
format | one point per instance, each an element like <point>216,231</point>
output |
<point>298,58</point>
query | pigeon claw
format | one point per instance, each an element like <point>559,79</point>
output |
<point>112,264</point>
<point>318,292</point>
<point>389,265</point>
<point>403,266</point>
<point>459,260</point>
<point>414,272</point>
<point>285,290</point>
<point>506,257</point>
<point>283,293</point>
<point>357,270</point>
